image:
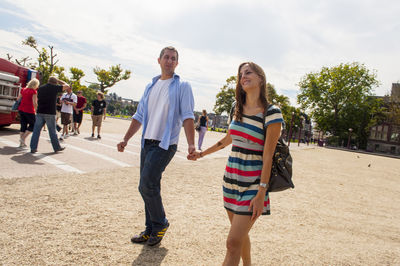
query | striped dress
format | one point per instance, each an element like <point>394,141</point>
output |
<point>243,170</point>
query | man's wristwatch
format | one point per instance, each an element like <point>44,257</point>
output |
<point>264,185</point>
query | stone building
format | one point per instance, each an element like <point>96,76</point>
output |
<point>385,137</point>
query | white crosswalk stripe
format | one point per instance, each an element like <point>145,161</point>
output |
<point>101,156</point>
<point>45,158</point>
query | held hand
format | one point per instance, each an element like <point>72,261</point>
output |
<point>191,149</point>
<point>193,156</point>
<point>257,205</point>
<point>104,117</point>
<point>121,146</point>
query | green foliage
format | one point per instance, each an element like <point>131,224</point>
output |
<point>339,98</point>
<point>284,104</point>
<point>46,62</point>
<point>226,96</point>
<point>108,78</point>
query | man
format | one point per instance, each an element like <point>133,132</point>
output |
<point>78,112</point>
<point>68,101</point>
<point>46,113</point>
<point>167,102</point>
<point>98,113</point>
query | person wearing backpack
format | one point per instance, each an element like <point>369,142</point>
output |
<point>245,182</point>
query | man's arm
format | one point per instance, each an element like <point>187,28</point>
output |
<point>186,110</point>
<point>64,84</point>
<point>188,125</point>
<point>75,102</point>
<point>133,128</point>
<point>83,107</point>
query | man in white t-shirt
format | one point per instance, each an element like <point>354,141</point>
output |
<point>166,105</point>
<point>68,100</point>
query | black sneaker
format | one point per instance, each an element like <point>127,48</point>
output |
<point>92,135</point>
<point>157,237</point>
<point>141,238</point>
<point>61,149</point>
<point>33,151</point>
<point>98,136</point>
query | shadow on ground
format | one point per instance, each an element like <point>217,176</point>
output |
<point>150,256</point>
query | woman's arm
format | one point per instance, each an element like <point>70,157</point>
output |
<point>225,141</point>
<point>273,134</point>
<point>34,100</point>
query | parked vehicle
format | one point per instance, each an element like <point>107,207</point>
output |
<point>12,78</point>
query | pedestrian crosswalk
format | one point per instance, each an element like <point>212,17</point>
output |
<point>82,154</point>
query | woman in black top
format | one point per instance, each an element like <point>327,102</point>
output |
<point>203,122</point>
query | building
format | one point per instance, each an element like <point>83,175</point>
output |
<point>385,137</point>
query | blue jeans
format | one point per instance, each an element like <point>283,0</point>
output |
<point>50,121</point>
<point>153,161</point>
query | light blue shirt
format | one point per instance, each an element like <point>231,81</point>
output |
<point>181,106</point>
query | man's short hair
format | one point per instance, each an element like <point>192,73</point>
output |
<point>53,80</point>
<point>171,48</point>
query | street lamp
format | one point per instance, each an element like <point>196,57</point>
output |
<point>290,129</point>
<point>301,125</point>
<point>348,141</point>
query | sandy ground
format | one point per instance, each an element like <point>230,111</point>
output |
<point>341,212</point>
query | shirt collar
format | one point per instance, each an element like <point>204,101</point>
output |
<point>175,76</point>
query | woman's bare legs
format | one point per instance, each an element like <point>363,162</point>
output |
<point>238,242</point>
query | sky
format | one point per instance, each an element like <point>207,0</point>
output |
<point>288,39</point>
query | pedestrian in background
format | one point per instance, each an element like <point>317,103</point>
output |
<point>68,100</point>
<point>98,111</point>
<point>203,123</point>
<point>46,112</point>
<point>27,109</point>
<point>78,112</point>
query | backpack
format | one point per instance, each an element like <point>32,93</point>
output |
<point>281,169</point>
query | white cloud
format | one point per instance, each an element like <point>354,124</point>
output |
<point>287,38</point>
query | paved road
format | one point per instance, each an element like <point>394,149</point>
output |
<point>83,154</point>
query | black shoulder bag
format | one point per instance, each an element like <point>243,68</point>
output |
<point>281,170</point>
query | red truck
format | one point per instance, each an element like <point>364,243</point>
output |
<point>12,78</point>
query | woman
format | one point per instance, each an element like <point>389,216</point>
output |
<point>248,169</point>
<point>27,109</point>
<point>203,123</point>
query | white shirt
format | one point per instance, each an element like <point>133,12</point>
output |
<point>68,108</point>
<point>158,106</point>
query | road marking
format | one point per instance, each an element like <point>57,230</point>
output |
<point>130,144</point>
<point>104,145</point>
<point>46,158</point>
<point>101,156</point>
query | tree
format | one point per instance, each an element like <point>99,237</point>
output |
<point>334,94</point>
<point>22,62</point>
<point>108,78</point>
<point>46,63</point>
<point>226,96</point>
